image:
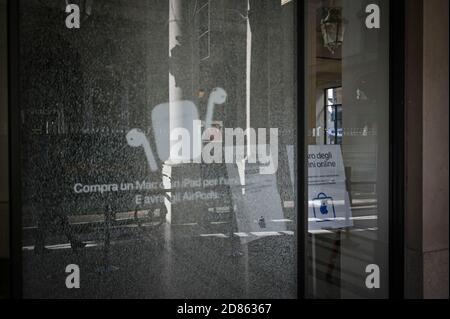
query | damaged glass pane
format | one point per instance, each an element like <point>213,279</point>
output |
<point>158,149</point>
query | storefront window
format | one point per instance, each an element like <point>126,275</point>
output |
<point>158,148</point>
<point>347,103</point>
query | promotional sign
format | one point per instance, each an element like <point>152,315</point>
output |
<point>328,200</point>
<point>256,198</point>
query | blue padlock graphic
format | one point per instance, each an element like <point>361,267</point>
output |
<point>325,205</point>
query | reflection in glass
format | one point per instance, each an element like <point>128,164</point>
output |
<point>119,118</point>
<point>347,106</point>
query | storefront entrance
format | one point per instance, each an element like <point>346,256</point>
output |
<point>205,149</point>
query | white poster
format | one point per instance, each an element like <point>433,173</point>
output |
<point>257,200</point>
<point>328,200</point>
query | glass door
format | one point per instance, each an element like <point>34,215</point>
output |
<point>347,113</point>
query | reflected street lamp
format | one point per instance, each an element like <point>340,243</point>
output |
<point>333,28</point>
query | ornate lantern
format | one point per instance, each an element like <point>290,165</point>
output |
<point>333,28</point>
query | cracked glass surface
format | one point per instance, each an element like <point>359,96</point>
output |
<point>99,186</point>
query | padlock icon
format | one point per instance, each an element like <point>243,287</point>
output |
<point>323,205</point>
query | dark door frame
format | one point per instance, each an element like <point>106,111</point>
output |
<point>14,149</point>
<point>396,148</point>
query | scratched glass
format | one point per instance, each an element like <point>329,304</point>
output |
<point>158,148</point>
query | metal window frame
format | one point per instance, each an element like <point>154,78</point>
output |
<point>325,117</point>
<point>14,150</point>
<point>207,33</point>
<point>397,56</point>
